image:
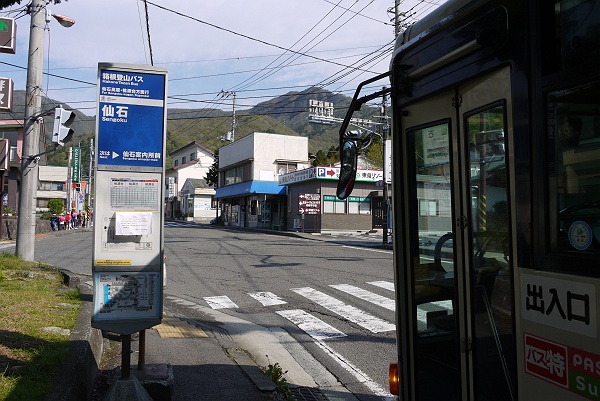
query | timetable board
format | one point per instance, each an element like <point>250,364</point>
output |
<point>128,229</point>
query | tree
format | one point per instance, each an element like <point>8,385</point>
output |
<point>212,176</point>
<point>56,206</point>
<point>8,3</point>
<point>374,153</point>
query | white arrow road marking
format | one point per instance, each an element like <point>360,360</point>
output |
<point>222,302</point>
<point>314,327</point>
<point>348,312</point>
<point>387,303</point>
<point>267,298</point>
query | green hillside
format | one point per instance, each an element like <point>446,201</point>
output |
<point>286,114</point>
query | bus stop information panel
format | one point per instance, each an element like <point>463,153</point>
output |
<point>128,219</point>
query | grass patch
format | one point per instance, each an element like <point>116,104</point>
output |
<point>32,297</point>
<point>277,375</point>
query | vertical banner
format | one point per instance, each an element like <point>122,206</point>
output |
<point>76,164</point>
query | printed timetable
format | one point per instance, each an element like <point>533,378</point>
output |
<point>134,194</point>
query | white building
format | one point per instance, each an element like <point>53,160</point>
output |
<point>249,170</point>
<point>190,162</point>
<point>52,185</point>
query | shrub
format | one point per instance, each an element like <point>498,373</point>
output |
<point>56,206</point>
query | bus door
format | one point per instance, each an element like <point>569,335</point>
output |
<point>460,297</point>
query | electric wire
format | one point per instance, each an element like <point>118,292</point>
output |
<point>142,31</point>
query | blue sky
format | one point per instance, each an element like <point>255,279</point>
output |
<point>210,46</point>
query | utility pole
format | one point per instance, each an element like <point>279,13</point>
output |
<point>233,122</point>
<point>31,139</point>
<point>397,17</point>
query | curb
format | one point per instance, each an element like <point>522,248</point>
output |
<point>75,379</point>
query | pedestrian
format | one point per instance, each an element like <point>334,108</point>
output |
<point>165,271</point>
<point>73,218</point>
<point>67,221</point>
<point>83,216</point>
<point>61,222</point>
<point>54,222</point>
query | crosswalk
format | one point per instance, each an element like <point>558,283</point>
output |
<point>172,224</point>
<point>328,298</point>
<point>319,329</point>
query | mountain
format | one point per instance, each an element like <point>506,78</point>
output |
<point>286,114</point>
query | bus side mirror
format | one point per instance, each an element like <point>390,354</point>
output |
<point>348,159</point>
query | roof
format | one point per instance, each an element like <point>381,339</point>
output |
<point>250,187</point>
<point>198,183</point>
<point>191,145</point>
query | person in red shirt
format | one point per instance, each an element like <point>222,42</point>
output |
<point>68,221</point>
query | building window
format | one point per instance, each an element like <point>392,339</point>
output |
<point>428,207</point>
<point>175,163</point>
<point>234,175</point>
<point>51,186</point>
<point>286,168</point>
<point>192,156</point>
<point>358,205</point>
<point>183,160</point>
<point>332,204</point>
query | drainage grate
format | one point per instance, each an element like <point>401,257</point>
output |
<point>307,394</point>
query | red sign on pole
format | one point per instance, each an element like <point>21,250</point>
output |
<point>309,204</point>
<point>6,94</point>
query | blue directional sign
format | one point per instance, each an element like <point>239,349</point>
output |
<point>131,117</point>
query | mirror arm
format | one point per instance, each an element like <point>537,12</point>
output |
<point>357,102</point>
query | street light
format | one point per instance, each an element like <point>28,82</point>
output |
<point>65,21</point>
<point>31,138</point>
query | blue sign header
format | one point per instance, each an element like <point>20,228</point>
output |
<point>131,115</point>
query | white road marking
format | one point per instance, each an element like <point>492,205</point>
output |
<point>314,327</point>
<point>360,376</point>
<point>348,312</point>
<point>367,249</point>
<point>387,285</point>
<point>267,298</point>
<point>221,302</point>
<point>387,303</point>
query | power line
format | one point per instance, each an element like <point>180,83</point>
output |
<point>244,36</point>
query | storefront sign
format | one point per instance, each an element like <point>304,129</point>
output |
<point>309,204</point>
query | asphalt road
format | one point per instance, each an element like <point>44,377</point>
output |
<point>338,293</point>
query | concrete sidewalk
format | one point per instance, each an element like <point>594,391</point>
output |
<point>186,358</point>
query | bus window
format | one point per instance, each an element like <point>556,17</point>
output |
<point>574,179</point>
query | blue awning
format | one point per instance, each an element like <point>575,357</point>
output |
<point>250,187</point>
